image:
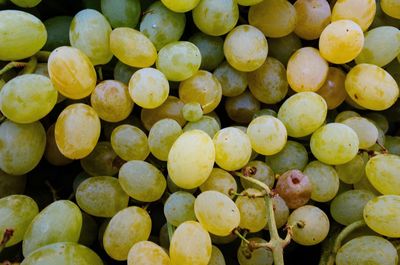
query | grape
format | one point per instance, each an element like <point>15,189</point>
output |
<point>64,253</point>
<point>382,172</point>
<point>190,244</point>
<point>392,144</point>
<point>163,238</point>
<point>10,185</point>
<point>283,48</point>
<point>259,171</point>
<point>192,111</point>
<point>206,123</point>
<point>391,8</point>
<point>360,11</point>
<point>216,18</point>
<point>310,225</point>
<point>245,48</point>
<point>379,120</point>
<point>364,184</point>
<point>22,35</point>
<point>21,146</point>
<point>334,144</point>
<point>172,187</point>
<point>79,179</point>
<point>233,82</point>
<point>216,212</point>
<point>383,19</point>
<point>111,101</point>
<point>52,153</point>
<point>313,16</point>
<point>179,208</point>
<point>130,143</point>
<point>249,2</point>
<point>267,135</point>
<point>191,159</point>
<point>294,187</point>
<point>26,3</point>
<point>367,250</point>
<point>344,115</point>
<point>352,171</point>
<point>253,212</point>
<point>371,87</point>
<point>348,206</point>
<point>281,211</point>
<point>366,131</point>
<point>242,108</point>
<point>220,180</point>
<point>259,256</point>
<point>127,227</point>
<point>123,72</point>
<point>161,25</point>
<point>57,32</point>
<point>211,49</point>
<point>61,221</point>
<point>217,258</point>
<point>269,83</point>
<point>293,156</point>
<point>132,47</point>
<point>101,196</point>
<point>333,90</point>
<point>111,9</point>
<point>275,18</point>
<point>71,72</point>
<point>222,240</point>
<point>180,6</point>
<point>202,87</point>
<point>263,112</point>
<point>146,252</point>
<point>101,161</point>
<point>381,46</point>
<point>307,70</point>
<point>89,230</point>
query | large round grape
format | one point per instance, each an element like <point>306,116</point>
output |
<point>383,173</point>
<point>179,208</point>
<point>147,252</point>
<point>360,11</point>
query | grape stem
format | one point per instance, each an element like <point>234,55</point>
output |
<point>43,56</point>
<point>100,73</point>
<point>30,66</point>
<point>8,233</point>
<point>12,65</point>
<point>171,230</point>
<point>260,194</point>
<point>52,190</point>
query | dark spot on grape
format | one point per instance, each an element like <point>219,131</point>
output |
<point>355,96</point>
<point>295,180</point>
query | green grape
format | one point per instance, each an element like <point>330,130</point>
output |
<point>10,185</point>
<point>207,124</point>
<point>248,2</point>
<point>27,98</point>
<point>21,146</point>
<point>77,131</point>
<point>343,187</point>
<point>361,12</point>
<point>101,196</point>
<point>293,156</point>
<point>263,112</point>
<point>163,237</point>
<point>61,221</point>
<point>216,18</point>
<point>112,10</point>
<point>179,208</point>
<point>233,82</point>
<point>65,253</point>
<point>391,8</point>
<point>334,144</point>
<point>161,25</point>
<point>101,161</point>
<point>211,49</point>
<point>352,171</point>
<point>242,108</point>
<point>126,228</point>
<point>259,256</point>
<point>383,19</point>
<point>90,32</point>
<point>191,159</point>
<point>179,60</point>
<point>223,240</point>
<point>344,115</point>
<point>161,137</point>
<point>382,171</point>
<point>216,212</point>
<point>268,83</point>
<point>341,41</point>
<point>310,225</point>
<point>130,142</point>
<point>259,171</point>
<point>16,213</point>
<point>132,47</point>
<point>146,252</point>
<point>253,212</point>
<point>307,70</point>
<point>190,244</point>
<point>23,35</point>
<point>102,229</point>
<point>379,120</point>
<point>89,230</point>
<point>220,180</point>
<point>366,131</point>
<point>367,250</point>
<point>380,141</point>
<point>57,32</point>
<point>172,187</point>
<point>348,206</point>
<point>79,179</point>
<point>283,48</point>
<point>52,153</point>
<point>392,144</point>
<point>245,48</point>
<point>26,3</point>
<point>71,72</point>
<point>123,72</point>
<point>192,111</point>
<point>281,211</point>
<point>365,184</point>
<point>333,90</point>
<point>180,6</point>
<point>267,135</point>
<point>313,16</point>
<point>217,258</point>
<point>382,45</point>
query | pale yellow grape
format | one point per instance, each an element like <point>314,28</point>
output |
<point>180,6</point>
<point>190,244</point>
<point>233,82</point>
<point>383,173</point>
<point>149,88</point>
<point>127,227</point>
<point>207,124</point>
<point>22,35</point>
<point>162,136</point>
<point>217,258</point>
<point>132,47</point>
<point>192,111</point>
<point>366,131</point>
<point>191,159</point>
<point>334,144</point>
<point>307,70</point>
<point>275,18</point>
<point>245,48</point>
<point>371,87</point>
<point>130,142</point>
<point>360,11</point>
<point>216,212</point>
<point>391,8</point>
<point>341,41</point>
<point>344,115</point>
<point>380,120</point>
<point>71,72</point>
<point>300,121</point>
<point>77,131</point>
<point>382,214</point>
<point>253,211</point>
<point>146,253</point>
<point>259,256</point>
<point>220,180</point>
<point>267,135</point>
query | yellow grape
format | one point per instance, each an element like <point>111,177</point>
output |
<point>345,115</point>
<point>391,8</point>
<point>253,211</point>
<point>220,180</point>
<point>217,258</point>
<point>366,131</point>
<point>146,253</point>
<point>360,11</point>
<point>248,2</point>
<point>71,72</point>
<point>382,171</point>
<point>333,90</point>
<point>130,142</point>
<point>180,6</point>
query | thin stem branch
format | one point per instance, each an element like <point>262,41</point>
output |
<point>255,181</point>
<point>12,65</point>
<point>242,237</point>
<point>8,233</point>
<point>52,190</point>
<point>30,67</point>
